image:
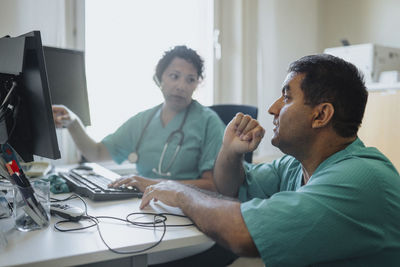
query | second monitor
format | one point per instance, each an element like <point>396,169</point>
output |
<point>67,80</point>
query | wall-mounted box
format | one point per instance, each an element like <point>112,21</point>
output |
<point>375,61</point>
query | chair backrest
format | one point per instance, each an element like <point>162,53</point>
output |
<point>227,112</point>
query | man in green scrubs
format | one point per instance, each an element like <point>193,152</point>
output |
<point>330,201</point>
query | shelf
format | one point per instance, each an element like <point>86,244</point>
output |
<point>383,86</point>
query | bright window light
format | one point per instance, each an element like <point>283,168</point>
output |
<point>124,41</point>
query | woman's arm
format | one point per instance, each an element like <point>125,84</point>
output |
<point>91,150</point>
<point>204,182</point>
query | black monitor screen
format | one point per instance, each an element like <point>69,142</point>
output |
<point>67,80</point>
<point>29,125</point>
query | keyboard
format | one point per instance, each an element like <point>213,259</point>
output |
<point>92,181</point>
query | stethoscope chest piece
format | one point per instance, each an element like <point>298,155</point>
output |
<point>133,157</point>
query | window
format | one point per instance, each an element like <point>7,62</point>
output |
<point>124,41</point>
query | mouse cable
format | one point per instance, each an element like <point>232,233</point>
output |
<point>95,222</point>
<point>73,196</point>
<point>159,220</point>
<point>164,214</point>
<point>142,224</point>
<point>139,250</point>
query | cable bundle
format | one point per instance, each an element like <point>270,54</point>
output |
<point>159,220</point>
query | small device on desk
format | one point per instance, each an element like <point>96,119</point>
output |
<point>36,168</point>
<point>91,180</point>
<point>66,211</point>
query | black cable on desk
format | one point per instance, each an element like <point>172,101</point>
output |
<point>159,220</point>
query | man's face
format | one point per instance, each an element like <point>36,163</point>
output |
<point>292,118</point>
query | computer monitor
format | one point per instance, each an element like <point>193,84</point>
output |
<point>67,80</point>
<point>26,119</point>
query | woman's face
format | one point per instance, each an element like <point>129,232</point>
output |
<point>178,83</point>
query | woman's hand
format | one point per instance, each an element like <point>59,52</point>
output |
<point>137,181</point>
<point>63,117</point>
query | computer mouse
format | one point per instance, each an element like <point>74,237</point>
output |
<point>84,167</point>
<point>67,211</point>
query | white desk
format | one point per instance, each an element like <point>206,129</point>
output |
<point>49,247</point>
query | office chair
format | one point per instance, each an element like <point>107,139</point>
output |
<point>227,112</point>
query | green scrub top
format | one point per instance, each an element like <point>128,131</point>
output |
<point>203,133</point>
<point>348,214</point>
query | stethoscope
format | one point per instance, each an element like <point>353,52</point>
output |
<point>133,157</point>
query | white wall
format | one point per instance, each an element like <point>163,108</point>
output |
<point>60,24</point>
<point>287,30</point>
<point>226,84</point>
<point>22,16</point>
<point>360,21</point>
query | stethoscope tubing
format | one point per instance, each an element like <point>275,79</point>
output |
<point>179,132</point>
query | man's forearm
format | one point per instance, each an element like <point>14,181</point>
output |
<point>228,173</point>
<point>200,183</point>
<point>219,218</point>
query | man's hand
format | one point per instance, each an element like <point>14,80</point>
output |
<point>243,134</point>
<point>166,191</point>
<point>226,225</point>
<point>140,182</point>
<point>63,117</point>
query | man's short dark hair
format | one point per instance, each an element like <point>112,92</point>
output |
<point>183,52</point>
<point>334,80</point>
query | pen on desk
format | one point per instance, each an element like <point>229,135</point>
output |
<point>14,177</point>
<point>23,177</point>
<point>13,168</point>
<point>14,165</point>
<point>32,207</point>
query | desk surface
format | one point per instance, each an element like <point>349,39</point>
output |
<point>49,247</point>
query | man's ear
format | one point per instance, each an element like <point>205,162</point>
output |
<point>323,114</point>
